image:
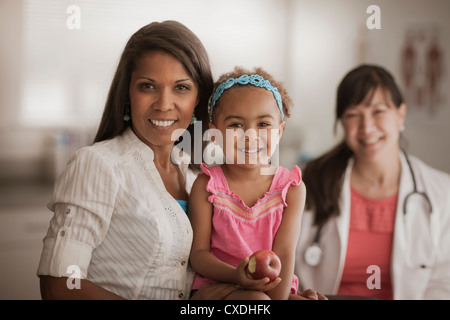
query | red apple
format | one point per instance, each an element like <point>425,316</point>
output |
<point>263,263</point>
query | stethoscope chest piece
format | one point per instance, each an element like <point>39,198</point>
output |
<point>313,255</point>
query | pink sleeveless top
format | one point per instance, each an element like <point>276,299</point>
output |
<point>237,230</point>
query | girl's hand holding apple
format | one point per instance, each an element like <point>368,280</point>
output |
<point>262,281</point>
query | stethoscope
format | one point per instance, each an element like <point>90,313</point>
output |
<point>313,254</point>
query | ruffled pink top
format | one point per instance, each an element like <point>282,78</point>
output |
<point>369,244</point>
<point>239,230</point>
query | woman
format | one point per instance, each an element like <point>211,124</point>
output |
<point>361,234</point>
<point>118,220</point>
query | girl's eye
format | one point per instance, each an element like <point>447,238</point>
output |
<point>235,125</point>
<point>264,124</point>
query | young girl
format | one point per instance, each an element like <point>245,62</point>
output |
<point>246,204</point>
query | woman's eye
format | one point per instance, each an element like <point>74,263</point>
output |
<point>146,86</point>
<point>182,87</point>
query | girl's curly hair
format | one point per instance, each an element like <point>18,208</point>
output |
<point>239,71</point>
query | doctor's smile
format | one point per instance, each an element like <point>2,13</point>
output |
<point>369,142</point>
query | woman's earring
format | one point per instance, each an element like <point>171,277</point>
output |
<point>193,119</point>
<point>127,116</point>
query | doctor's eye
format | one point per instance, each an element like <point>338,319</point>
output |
<point>350,115</point>
<point>379,111</point>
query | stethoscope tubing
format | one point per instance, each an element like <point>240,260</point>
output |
<point>415,191</point>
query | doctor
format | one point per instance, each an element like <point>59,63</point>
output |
<point>377,221</point>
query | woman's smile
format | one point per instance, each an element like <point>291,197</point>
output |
<point>162,124</point>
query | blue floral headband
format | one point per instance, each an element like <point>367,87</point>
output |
<point>254,79</point>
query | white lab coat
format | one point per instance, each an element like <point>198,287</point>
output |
<point>420,264</point>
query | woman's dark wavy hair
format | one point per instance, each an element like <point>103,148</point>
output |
<point>324,175</point>
<point>174,38</point>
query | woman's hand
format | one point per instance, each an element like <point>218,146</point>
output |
<point>263,284</point>
<point>311,294</point>
<point>215,291</point>
<point>55,288</point>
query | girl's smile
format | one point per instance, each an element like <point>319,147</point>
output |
<point>250,151</point>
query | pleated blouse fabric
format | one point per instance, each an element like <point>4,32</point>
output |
<point>116,223</point>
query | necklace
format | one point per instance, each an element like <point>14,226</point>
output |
<point>373,184</point>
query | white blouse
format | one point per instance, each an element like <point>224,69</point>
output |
<point>114,219</point>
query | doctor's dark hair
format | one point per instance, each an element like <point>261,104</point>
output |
<point>174,38</point>
<point>324,175</point>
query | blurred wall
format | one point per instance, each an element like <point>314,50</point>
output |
<point>328,38</point>
<point>54,80</point>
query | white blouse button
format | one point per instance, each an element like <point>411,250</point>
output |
<point>67,211</point>
<point>180,294</point>
<point>62,233</point>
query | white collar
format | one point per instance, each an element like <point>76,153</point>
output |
<point>178,156</point>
